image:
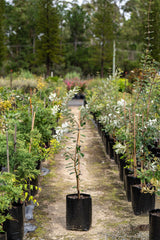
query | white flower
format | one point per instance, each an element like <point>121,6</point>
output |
<point>52,97</point>
<point>152,122</point>
<point>61,130</point>
<point>121,103</point>
<point>55,109</point>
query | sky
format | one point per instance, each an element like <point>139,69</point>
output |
<point>120,3</point>
<point>79,1</point>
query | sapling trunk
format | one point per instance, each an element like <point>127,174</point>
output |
<point>134,149</point>
<point>77,157</point>
<point>15,138</point>
<point>32,127</point>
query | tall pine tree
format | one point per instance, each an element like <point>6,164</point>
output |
<point>77,22</point>
<point>103,33</point>
<point>48,44</point>
<point>155,29</point>
<point>2,46</point>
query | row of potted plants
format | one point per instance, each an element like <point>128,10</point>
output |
<point>129,123</point>
<point>27,125</point>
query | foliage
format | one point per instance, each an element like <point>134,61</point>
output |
<point>10,191</point>
<point>102,28</point>
<point>48,48</point>
<point>2,46</point>
<point>72,80</point>
<point>132,119</point>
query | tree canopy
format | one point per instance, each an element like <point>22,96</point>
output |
<point>60,36</point>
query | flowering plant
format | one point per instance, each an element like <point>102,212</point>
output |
<point>73,80</point>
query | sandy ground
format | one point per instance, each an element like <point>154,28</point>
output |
<point>112,216</point>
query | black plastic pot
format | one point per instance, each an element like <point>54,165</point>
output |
<point>130,180</point>
<point>119,159</point>
<point>111,144</point>
<point>78,212</point>
<point>103,137</point>
<point>154,224</point>
<point>122,164</point>
<point>141,202</point>
<point>3,236</point>
<point>107,143</point>
<point>15,227</point>
<point>126,171</point>
<point>115,157</point>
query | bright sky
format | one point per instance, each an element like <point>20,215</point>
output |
<point>80,1</point>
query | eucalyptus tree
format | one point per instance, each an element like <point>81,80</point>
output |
<point>48,35</point>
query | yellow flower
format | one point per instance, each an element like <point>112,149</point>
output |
<point>41,85</point>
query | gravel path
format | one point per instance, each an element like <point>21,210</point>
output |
<point>112,214</point>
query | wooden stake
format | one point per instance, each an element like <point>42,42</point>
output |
<point>8,169</point>
<point>33,119</point>
<point>15,138</point>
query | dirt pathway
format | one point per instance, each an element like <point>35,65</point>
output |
<point>112,214</point>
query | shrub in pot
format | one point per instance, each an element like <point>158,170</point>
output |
<point>12,195</point>
<point>78,205</point>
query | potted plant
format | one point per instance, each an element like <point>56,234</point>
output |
<point>78,205</point>
<point>11,206</point>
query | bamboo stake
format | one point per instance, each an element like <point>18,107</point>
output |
<point>33,119</point>
<point>30,101</point>
<point>8,169</point>
<point>15,138</point>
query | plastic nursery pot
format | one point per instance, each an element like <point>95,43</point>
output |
<point>115,157</point>
<point>107,143</point>
<point>126,171</point>
<point>131,180</point>
<point>3,236</point>
<point>78,212</point>
<point>103,137</point>
<point>122,164</point>
<point>154,224</point>
<point>141,202</point>
<point>15,227</point>
<point>99,126</point>
<point>111,143</point>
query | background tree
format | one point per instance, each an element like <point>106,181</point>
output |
<point>77,23</point>
<point>103,32</point>
<point>19,26</point>
<point>48,43</point>
<point>132,35</point>
<point>2,45</point>
<point>155,29</point>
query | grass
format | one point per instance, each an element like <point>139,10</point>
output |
<point>19,83</point>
